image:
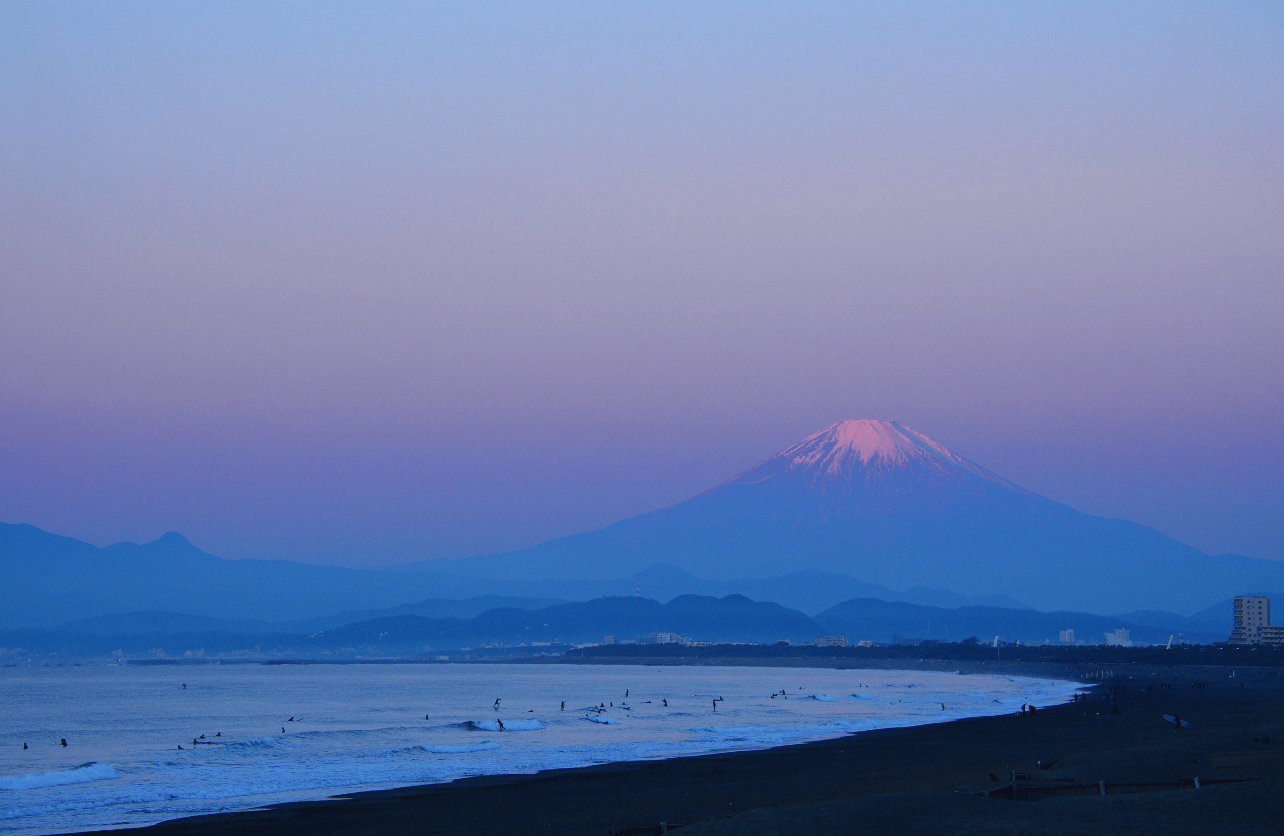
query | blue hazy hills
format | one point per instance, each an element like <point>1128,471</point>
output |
<point>880,502</point>
<point>860,510</point>
<point>733,618</point>
<point>50,579</point>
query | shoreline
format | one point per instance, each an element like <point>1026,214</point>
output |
<point>903,777</point>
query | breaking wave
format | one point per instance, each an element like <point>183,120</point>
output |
<point>82,774</point>
<point>509,725</point>
<point>448,750</point>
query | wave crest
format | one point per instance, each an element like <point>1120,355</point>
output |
<point>82,774</point>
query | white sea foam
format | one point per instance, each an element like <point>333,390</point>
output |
<point>364,727</point>
<point>823,698</point>
<point>484,746</point>
<point>82,774</point>
<point>508,725</point>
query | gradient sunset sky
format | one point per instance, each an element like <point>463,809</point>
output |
<point>370,282</point>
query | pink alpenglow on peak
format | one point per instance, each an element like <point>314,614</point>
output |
<point>859,438</point>
<point>866,452</point>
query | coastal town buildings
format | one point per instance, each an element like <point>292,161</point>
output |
<point>1119,637</point>
<point>664,638</point>
<point>831,641</point>
<point>1252,622</point>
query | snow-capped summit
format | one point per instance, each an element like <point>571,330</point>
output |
<point>864,456</point>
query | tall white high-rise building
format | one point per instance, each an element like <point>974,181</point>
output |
<point>1252,616</point>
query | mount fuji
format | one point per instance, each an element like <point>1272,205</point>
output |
<point>886,504</point>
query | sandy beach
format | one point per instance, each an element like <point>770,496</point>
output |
<point>914,780</point>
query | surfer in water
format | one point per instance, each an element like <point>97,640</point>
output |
<point>666,703</point>
<point>501,725</point>
<point>563,705</point>
<point>64,742</point>
<point>496,705</point>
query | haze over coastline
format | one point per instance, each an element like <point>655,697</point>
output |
<point>364,287</point>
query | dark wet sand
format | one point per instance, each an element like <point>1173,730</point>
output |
<point>909,781</point>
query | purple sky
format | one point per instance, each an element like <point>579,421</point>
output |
<point>360,287</point>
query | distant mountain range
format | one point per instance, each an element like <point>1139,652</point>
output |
<point>877,501</point>
<point>733,618</point>
<point>861,509</point>
<point>50,579</point>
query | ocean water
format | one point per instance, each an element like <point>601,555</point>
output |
<point>366,727</point>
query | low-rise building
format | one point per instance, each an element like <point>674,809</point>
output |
<point>663,638</point>
<point>831,641</point>
<point>1067,637</point>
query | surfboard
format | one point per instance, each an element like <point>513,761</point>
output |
<point>1185,725</point>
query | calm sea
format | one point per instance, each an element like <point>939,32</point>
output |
<point>364,727</point>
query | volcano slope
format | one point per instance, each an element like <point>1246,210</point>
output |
<point>888,505</point>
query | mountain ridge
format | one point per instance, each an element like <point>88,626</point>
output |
<point>885,503</point>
